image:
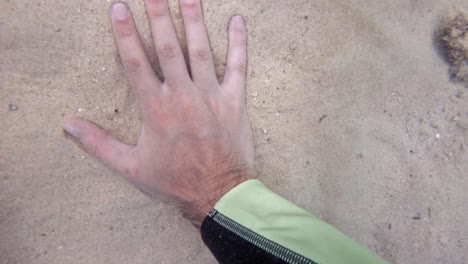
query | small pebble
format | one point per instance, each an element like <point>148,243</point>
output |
<point>13,107</point>
<point>265,131</point>
<point>437,135</point>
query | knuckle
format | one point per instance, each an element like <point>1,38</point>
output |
<point>240,68</point>
<point>156,14</point>
<point>196,17</point>
<point>157,9</point>
<point>167,51</point>
<point>192,11</point>
<point>201,55</point>
<point>239,43</point>
<point>185,100</point>
<point>190,4</point>
<point>132,64</point>
<point>96,146</point>
<point>124,29</point>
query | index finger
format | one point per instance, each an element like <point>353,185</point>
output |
<point>134,60</point>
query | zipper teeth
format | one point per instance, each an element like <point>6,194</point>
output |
<point>269,246</point>
<point>212,213</point>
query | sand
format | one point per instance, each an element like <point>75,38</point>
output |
<point>354,115</point>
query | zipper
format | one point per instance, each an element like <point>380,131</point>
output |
<point>261,242</point>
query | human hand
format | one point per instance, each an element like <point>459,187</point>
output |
<point>195,142</point>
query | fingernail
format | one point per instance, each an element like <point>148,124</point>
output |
<point>70,130</point>
<point>119,11</point>
<point>237,19</point>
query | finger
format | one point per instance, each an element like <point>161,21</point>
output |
<point>201,59</point>
<point>236,65</point>
<point>134,60</point>
<point>166,42</point>
<point>101,145</point>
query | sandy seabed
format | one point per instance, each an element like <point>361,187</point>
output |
<point>354,116</point>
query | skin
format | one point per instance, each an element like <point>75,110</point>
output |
<point>195,142</point>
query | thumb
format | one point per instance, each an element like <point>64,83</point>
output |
<point>101,145</point>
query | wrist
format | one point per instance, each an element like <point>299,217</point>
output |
<point>210,190</point>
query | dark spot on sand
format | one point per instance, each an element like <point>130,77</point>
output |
<point>322,118</point>
<point>450,40</point>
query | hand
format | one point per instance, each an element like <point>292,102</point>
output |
<point>195,142</point>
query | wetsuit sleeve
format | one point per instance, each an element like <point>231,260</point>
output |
<point>252,224</point>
